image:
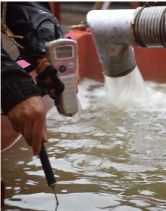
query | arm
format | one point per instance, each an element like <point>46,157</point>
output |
<point>35,22</point>
<point>17,85</point>
<point>20,96</point>
<point>21,102</point>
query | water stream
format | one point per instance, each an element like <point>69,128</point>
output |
<point>112,156</point>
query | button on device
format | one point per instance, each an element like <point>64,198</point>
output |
<point>71,65</point>
<point>62,68</point>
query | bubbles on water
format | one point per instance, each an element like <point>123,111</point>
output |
<point>35,173</point>
<point>64,191</point>
<point>20,162</point>
<point>125,91</point>
<point>68,202</point>
<point>139,203</point>
<point>89,93</point>
<point>131,92</point>
<point>125,208</point>
<point>146,192</point>
<point>114,147</point>
<point>8,188</point>
<point>31,182</point>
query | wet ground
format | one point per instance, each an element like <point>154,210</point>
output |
<point>106,158</point>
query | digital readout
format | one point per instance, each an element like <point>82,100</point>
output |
<point>63,52</point>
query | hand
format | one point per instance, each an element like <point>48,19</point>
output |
<point>29,118</point>
<point>48,81</point>
<point>42,64</point>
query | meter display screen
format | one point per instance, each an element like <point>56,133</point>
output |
<point>63,52</point>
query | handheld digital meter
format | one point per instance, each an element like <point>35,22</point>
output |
<point>62,54</point>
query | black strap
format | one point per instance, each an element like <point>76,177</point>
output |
<point>55,87</point>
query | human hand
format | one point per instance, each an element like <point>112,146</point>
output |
<point>42,64</point>
<point>29,118</point>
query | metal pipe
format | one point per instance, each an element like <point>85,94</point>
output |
<point>116,31</point>
<point>112,30</point>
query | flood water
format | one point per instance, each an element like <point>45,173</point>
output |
<point>105,158</point>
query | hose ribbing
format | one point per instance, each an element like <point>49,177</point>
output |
<point>150,26</point>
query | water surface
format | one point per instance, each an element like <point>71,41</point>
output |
<point>106,158</point>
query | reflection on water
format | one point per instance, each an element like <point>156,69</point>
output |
<point>108,158</point>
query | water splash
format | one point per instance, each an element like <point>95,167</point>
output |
<point>111,148</point>
<point>132,92</point>
<point>68,202</point>
<point>125,91</point>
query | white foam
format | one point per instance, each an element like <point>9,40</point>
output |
<point>132,92</point>
<point>125,91</point>
<point>68,202</point>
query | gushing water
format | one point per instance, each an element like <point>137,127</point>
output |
<point>110,157</point>
<point>125,91</point>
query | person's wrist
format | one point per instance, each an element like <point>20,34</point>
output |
<point>15,92</point>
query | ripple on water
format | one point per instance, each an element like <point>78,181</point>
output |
<point>106,150</point>
<point>68,202</point>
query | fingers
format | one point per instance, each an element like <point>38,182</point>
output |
<point>42,65</point>
<point>45,137</point>
<point>36,139</point>
<point>29,119</point>
<point>35,134</point>
<point>39,134</point>
<point>27,132</point>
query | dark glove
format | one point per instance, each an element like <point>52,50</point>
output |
<point>49,83</point>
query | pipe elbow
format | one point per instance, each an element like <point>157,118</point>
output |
<point>121,63</point>
<point>115,31</point>
<point>113,34</point>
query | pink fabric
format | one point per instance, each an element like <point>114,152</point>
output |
<point>23,63</point>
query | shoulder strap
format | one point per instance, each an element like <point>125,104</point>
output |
<point>6,30</point>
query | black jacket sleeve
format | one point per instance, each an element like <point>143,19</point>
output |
<point>37,25</point>
<point>35,22</point>
<point>16,86</point>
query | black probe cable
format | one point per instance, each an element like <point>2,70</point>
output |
<point>48,170</point>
